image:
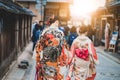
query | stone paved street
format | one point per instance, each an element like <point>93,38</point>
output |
<point>107,68</point>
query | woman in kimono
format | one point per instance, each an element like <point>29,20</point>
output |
<point>84,58</point>
<point>51,54</point>
<point>107,36</point>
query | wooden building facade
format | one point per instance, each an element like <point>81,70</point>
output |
<point>59,8</point>
<point>15,32</point>
<point>99,25</point>
<point>113,7</point>
<point>110,13</point>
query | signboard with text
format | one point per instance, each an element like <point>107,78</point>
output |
<point>114,37</point>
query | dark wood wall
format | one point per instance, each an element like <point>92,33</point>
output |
<point>15,33</point>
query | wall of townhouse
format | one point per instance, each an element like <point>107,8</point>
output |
<point>15,31</point>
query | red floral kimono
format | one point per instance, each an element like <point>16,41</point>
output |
<point>51,70</point>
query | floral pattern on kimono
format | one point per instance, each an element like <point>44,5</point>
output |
<point>60,64</point>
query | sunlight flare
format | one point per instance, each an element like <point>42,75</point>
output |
<point>81,9</point>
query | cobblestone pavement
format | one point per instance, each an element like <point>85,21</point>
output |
<point>107,69</point>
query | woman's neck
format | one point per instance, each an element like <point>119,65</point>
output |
<point>82,34</point>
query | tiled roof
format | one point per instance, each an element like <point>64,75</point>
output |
<point>114,3</point>
<point>14,8</point>
<point>27,0</point>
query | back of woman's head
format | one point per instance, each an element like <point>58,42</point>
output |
<point>73,29</point>
<point>66,30</point>
<point>83,29</point>
<point>53,20</point>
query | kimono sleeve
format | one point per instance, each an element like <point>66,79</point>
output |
<point>93,53</point>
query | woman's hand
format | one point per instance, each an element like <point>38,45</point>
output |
<point>68,78</point>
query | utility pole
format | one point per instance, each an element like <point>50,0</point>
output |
<point>44,4</point>
<point>41,10</point>
<point>41,7</point>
